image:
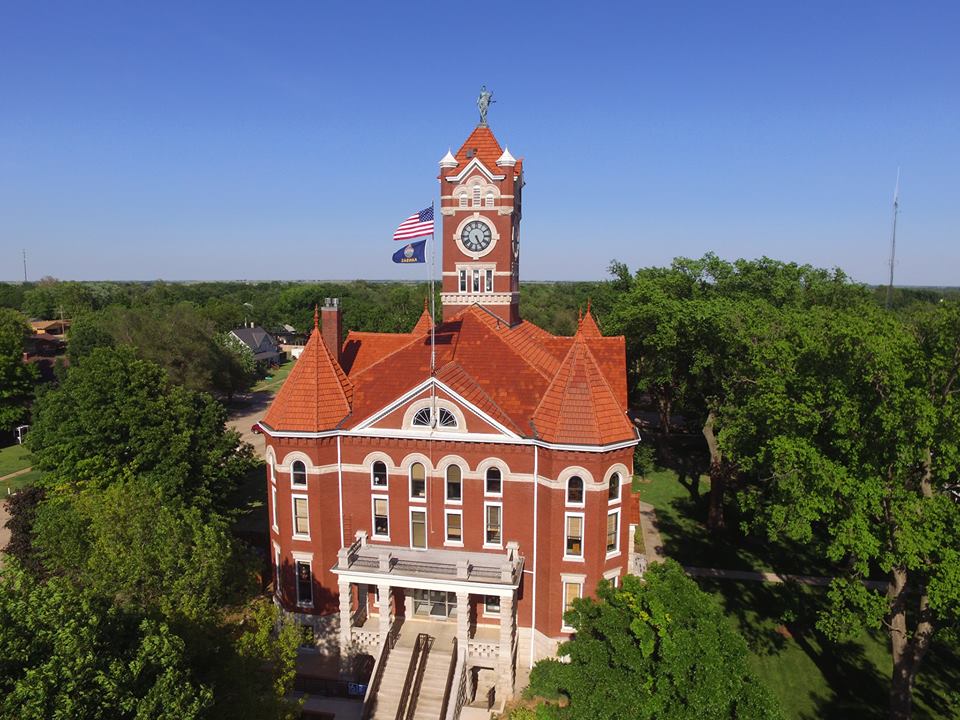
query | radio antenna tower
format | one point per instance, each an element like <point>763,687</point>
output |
<point>24,264</point>
<point>893,238</point>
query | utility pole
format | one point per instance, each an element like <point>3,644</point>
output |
<point>893,238</point>
<point>24,264</point>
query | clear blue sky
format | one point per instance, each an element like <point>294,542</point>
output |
<point>287,139</point>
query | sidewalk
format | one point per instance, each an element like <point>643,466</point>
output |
<point>653,544</point>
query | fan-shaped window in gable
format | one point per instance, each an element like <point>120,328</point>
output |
<point>422,418</point>
<point>446,418</point>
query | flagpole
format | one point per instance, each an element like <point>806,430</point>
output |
<point>433,325</point>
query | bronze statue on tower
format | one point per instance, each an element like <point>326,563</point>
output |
<point>483,103</point>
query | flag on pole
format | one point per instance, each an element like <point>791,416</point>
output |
<point>417,225</point>
<point>411,253</point>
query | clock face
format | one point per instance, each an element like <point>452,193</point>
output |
<point>476,236</point>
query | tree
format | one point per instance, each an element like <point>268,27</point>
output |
<point>852,441</point>
<point>116,417</point>
<point>67,654</point>
<point>657,647</point>
<point>17,379</point>
<point>692,333</point>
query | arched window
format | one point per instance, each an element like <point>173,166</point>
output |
<point>488,200</point>
<point>476,196</point>
<point>613,492</point>
<point>422,418</point>
<point>575,490</point>
<point>463,200</point>
<point>454,483</point>
<point>494,481</point>
<point>446,418</point>
<point>299,473</point>
<point>379,474</point>
<point>418,481</point>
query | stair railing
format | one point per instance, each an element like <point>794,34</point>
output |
<point>418,647</point>
<point>451,673</point>
<point>414,695</point>
<point>456,682</point>
<point>373,688</point>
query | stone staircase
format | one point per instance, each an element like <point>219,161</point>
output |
<point>434,682</point>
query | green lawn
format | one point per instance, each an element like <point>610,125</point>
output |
<point>272,382</point>
<point>13,458</point>
<point>812,677</point>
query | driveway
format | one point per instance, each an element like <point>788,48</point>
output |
<point>244,412</point>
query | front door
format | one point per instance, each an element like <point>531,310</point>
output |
<point>435,604</point>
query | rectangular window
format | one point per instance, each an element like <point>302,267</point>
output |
<point>571,591</point>
<point>454,484</point>
<point>273,502</point>
<point>476,196</point>
<point>476,281</point>
<point>613,576</point>
<point>304,583</point>
<point>463,200</point>
<point>301,516</point>
<point>381,518</point>
<point>574,547</point>
<point>492,525</point>
<point>491,605</point>
<point>613,532</point>
<point>276,571</point>
<point>489,287</point>
<point>418,529</point>
<point>454,526</point>
<point>488,200</point>
<point>463,281</point>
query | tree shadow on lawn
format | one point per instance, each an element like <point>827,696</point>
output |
<point>772,617</point>
<point>937,690</point>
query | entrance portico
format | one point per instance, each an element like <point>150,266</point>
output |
<point>435,585</point>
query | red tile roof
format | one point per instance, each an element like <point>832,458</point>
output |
<point>570,389</point>
<point>486,149</point>
<point>424,323</point>
<point>579,407</point>
<point>317,394</point>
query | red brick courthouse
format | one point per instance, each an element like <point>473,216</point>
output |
<point>487,495</point>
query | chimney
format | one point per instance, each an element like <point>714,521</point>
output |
<point>331,327</point>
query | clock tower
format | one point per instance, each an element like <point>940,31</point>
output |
<point>480,203</point>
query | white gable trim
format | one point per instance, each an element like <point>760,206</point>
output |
<point>407,397</point>
<point>474,164</point>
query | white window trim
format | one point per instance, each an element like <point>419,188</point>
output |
<point>583,535</point>
<point>296,578</point>
<point>613,576</point>
<point>616,550</point>
<point>373,485</point>
<point>503,478</point>
<point>564,581</point>
<point>306,476</point>
<point>293,516</point>
<point>276,570</point>
<point>373,518</point>
<point>487,545</point>
<point>446,497</point>
<point>583,492</point>
<point>273,503</point>
<point>446,536</point>
<point>615,501</point>
<point>426,481</point>
<point>487,613</point>
<point>426,538</point>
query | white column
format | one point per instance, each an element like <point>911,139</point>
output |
<point>383,604</point>
<point>345,603</point>
<point>507,631</point>
<point>463,619</point>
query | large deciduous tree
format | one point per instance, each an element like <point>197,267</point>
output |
<point>657,647</point>
<point>692,337</point>
<point>852,440</point>
<point>116,417</point>
<point>17,379</point>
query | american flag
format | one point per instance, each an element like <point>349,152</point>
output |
<point>417,225</point>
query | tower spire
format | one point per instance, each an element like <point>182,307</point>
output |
<point>316,317</point>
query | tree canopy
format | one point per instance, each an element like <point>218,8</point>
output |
<point>656,647</point>
<point>16,378</point>
<point>115,417</point>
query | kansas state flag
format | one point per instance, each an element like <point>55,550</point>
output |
<point>411,253</point>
